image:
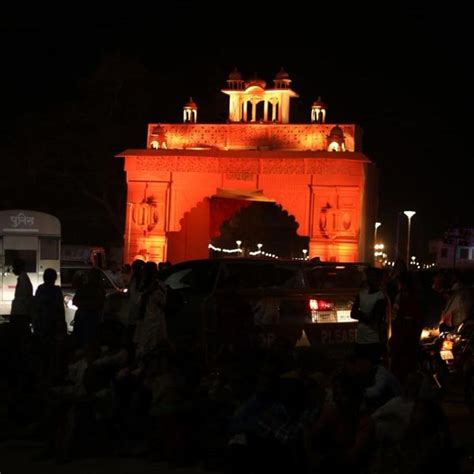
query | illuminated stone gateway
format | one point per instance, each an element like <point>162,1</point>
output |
<point>315,171</point>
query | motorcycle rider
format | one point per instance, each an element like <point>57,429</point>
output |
<point>457,307</point>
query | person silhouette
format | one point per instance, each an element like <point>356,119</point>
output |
<point>21,304</point>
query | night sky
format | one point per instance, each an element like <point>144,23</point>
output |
<point>402,74</point>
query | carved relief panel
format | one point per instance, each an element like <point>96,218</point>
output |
<point>147,201</point>
<point>335,212</point>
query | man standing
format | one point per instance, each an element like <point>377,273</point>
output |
<point>370,310</point>
<point>21,304</point>
<point>458,306</point>
<point>19,328</point>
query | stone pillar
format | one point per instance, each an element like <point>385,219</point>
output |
<point>274,105</point>
<point>265,111</point>
<point>254,111</point>
<point>245,110</point>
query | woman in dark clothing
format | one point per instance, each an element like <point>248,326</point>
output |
<point>49,323</point>
<point>90,301</point>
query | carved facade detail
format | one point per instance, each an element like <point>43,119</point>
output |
<point>240,176</point>
<point>290,165</point>
<point>250,136</point>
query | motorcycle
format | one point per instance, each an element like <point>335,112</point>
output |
<point>431,361</point>
<point>450,355</point>
<point>465,359</point>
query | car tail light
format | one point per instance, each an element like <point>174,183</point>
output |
<point>325,305</point>
<point>320,305</point>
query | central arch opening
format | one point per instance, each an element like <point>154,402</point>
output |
<point>265,223</point>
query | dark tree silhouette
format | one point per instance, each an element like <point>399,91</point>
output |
<point>63,156</point>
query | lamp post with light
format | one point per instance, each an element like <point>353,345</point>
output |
<point>409,215</point>
<point>377,225</point>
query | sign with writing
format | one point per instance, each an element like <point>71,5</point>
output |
<point>22,220</point>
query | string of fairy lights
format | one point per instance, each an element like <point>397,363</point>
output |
<point>255,253</point>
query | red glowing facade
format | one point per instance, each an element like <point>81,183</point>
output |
<point>316,172</point>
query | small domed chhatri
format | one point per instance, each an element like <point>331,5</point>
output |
<point>318,111</point>
<point>336,141</point>
<point>190,104</point>
<point>319,103</point>
<point>256,81</point>
<point>190,111</point>
<point>252,101</point>
<point>337,132</point>
<point>235,75</point>
<point>282,80</point>
<point>235,81</point>
<point>158,137</point>
<point>282,74</point>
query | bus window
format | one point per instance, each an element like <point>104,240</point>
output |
<point>29,256</point>
<point>49,248</point>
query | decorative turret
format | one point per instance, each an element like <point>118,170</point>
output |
<point>235,81</point>
<point>256,81</point>
<point>318,112</point>
<point>190,112</point>
<point>252,101</point>
<point>282,80</point>
<point>158,138</point>
<point>336,141</point>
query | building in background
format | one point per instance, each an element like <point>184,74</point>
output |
<point>454,250</point>
<point>191,177</point>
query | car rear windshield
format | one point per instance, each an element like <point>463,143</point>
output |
<point>74,277</point>
<point>250,275</point>
<point>335,278</point>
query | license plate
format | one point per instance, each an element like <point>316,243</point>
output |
<point>326,317</point>
<point>344,316</point>
<point>446,355</point>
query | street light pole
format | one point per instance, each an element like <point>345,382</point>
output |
<point>409,214</point>
<point>377,225</point>
<point>397,242</point>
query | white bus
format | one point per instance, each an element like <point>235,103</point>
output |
<point>35,238</point>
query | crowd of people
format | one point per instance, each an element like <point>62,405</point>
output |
<point>120,389</point>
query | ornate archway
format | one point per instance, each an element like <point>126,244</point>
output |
<point>261,226</point>
<point>331,194</point>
